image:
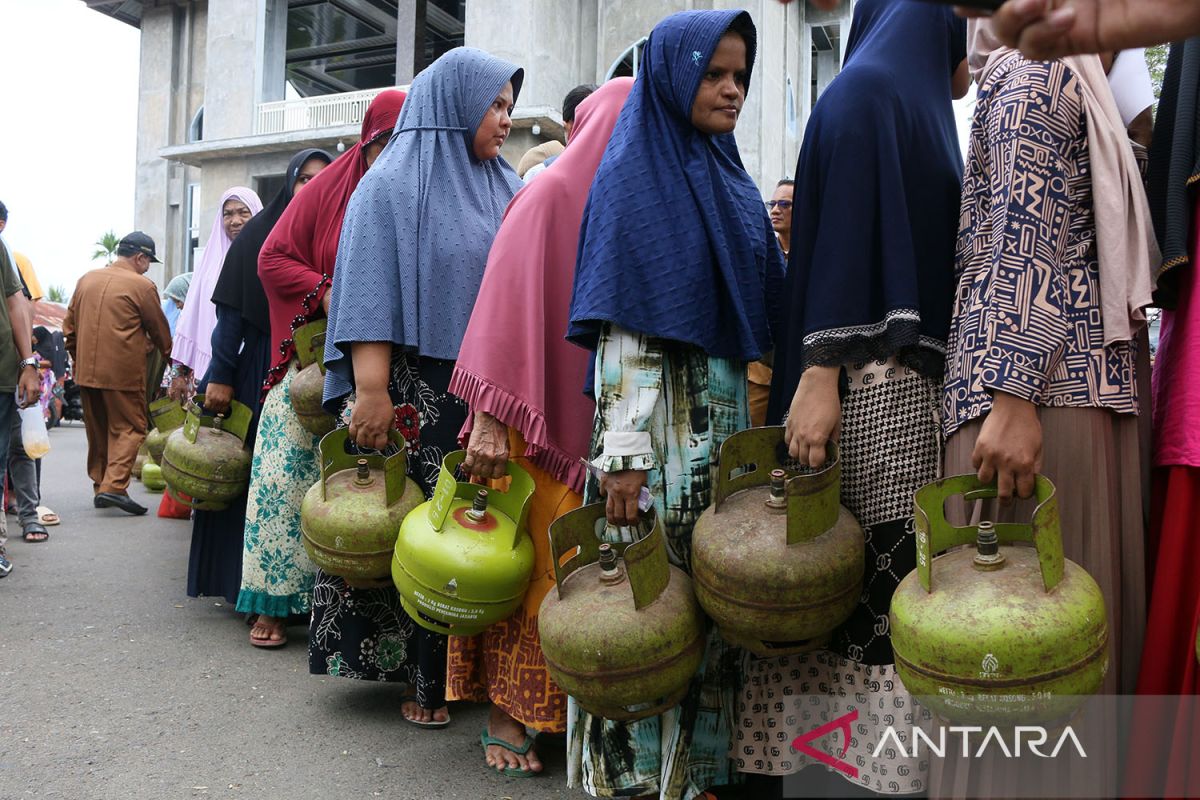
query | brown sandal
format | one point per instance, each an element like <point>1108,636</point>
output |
<point>268,642</point>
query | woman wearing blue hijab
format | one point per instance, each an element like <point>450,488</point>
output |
<point>414,245</point>
<point>869,294</point>
<point>677,260</point>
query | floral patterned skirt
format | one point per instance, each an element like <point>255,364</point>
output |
<point>276,571</point>
<point>365,633</point>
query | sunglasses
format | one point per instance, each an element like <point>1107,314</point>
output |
<point>782,205</point>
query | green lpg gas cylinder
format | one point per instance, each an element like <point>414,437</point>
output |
<point>350,518</point>
<point>308,386</point>
<point>140,461</point>
<point>206,464</point>
<point>152,477</point>
<point>464,559</point>
<point>621,630</point>
<point>1000,633</point>
<point>777,562</point>
<point>168,416</point>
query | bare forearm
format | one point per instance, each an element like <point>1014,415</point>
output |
<point>372,363</point>
<point>1044,29</point>
<point>20,312</point>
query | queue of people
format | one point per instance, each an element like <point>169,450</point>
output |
<point>930,318</point>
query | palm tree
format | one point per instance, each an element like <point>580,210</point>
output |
<point>106,247</point>
<point>56,294</point>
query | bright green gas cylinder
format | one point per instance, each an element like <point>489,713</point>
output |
<point>777,562</point>
<point>152,477</point>
<point>206,464</point>
<point>999,633</point>
<point>464,559</point>
<point>350,518</point>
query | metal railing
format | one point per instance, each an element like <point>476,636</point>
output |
<point>312,113</point>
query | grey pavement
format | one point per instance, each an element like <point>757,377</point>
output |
<point>115,684</point>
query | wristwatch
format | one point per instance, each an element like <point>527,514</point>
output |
<point>32,361</point>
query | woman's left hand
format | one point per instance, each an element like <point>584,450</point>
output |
<point>815,416</point>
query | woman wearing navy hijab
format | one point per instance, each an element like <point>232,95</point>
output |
<point>869,291</point>
<point>674,307</point>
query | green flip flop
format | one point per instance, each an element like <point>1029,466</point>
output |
<point>509,772</point>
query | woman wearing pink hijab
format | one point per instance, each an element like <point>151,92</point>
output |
<point>524,384</point>
<point>192,350</point>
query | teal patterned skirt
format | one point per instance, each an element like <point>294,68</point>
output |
<point>277,575</point>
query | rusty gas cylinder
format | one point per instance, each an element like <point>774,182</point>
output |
<point>621,631</point>
<point>776,560</point>
<point>166,416</point>
<point>206,464</point>
<point>350,518</point>
<point>308,386</point>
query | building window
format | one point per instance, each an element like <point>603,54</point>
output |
<point>196,129</point>
<point>626,65</point>
<point>826,57</point>
<point>444,28</point>
<point>336,46</point>
<point>269,185</point>
<point>192,233</point>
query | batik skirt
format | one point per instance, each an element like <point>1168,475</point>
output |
<point>364,633</point>
<point>505,665</point>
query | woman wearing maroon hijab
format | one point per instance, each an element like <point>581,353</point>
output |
<point>296,267</point>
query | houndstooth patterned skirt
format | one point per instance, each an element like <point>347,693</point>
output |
<point>890,447</point>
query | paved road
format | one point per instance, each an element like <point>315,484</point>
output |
<point>115,684</point>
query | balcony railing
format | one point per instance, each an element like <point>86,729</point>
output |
<point>314,113</point>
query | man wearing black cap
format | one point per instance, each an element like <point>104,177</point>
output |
<point>115,319</point>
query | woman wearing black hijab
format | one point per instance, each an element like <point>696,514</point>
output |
<point>869,291</point>
<point>241,344</point>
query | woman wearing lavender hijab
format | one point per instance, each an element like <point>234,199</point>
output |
<point>412,253</point>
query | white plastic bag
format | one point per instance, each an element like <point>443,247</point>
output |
<point>34,435</point>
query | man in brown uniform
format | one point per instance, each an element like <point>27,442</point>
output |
<point>115,319</point>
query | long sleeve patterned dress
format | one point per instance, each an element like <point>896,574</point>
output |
<point>666,408</point>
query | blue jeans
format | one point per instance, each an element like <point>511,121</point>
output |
<point>8,412</point>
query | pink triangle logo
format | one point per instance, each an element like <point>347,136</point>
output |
<point>842,723</point>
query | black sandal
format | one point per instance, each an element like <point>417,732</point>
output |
<point>35,529</point>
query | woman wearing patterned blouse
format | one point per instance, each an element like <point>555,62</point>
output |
<point>1047,345</point>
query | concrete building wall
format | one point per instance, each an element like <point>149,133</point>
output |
<point>233,78</point>
<point>170,91</point>
<point>540,36</point>
<point>225,56</point>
